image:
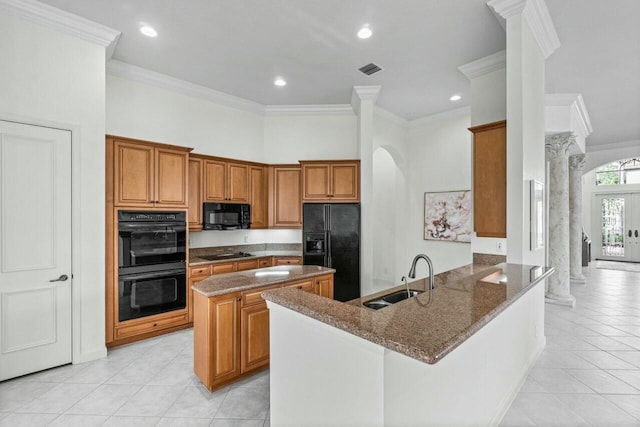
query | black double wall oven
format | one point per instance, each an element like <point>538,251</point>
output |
<point>152,276</point>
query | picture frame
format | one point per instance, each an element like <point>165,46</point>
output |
<point>447,216</point>
<point>537,220</point>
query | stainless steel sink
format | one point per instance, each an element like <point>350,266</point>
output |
<point>390,299</point>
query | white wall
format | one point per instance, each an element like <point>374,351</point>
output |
<point>51,78</point>
<point>488,105</point>
<point>525,136</point>
<point>139,110</point>
<point>439,155</point>
<point>289,138</point>
<point>389,204</point>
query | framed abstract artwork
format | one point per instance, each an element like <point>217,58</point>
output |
<point>447,216</point>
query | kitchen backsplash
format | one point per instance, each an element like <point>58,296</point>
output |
<point>258,247</point>
<point>210,238</point>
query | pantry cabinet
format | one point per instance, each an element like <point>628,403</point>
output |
<point>146,174</point>
<point>331,181</point>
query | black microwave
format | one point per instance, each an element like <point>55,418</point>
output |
<point>226,216</point>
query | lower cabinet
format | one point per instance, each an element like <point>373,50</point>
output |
<point>231,332</point>
<point>287,260</point>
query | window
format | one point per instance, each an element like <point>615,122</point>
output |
<point>619,172</point>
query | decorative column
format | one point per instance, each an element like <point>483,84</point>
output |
<point>576,166</point>
<point>559,289</point>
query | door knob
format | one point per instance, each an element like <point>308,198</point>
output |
<point>62,278</point>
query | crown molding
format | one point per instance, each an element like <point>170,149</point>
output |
<point>445,115</point>
<point>393,118</point>
<point>635,143</point>
<point>537,15</point>
<point>65,22</point>
<point>575,102</point>
<point>319,109</point>
<point>143,75</point>
<point>488,64</point>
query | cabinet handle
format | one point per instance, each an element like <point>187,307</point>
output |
<point>239,299</point>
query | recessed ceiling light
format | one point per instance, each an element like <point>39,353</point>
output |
<point>455,98</point>
<point>148,31</point>
<point>280,82</point>
<point>365,32</point>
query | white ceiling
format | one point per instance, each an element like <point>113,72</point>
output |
<point>238,47</point>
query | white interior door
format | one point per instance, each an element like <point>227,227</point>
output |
<point>617,237</point>
<point>35,248</point>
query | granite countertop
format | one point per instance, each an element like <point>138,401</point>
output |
<point>221,284</point>
<point>425,327</point>
<point>195,261</point>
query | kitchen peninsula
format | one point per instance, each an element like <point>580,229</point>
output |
<point>231,320</point>
<point>456,356</point>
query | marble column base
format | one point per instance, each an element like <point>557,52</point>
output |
<point>565,300</point>
<point>581,280</point>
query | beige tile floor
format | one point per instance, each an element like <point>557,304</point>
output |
<point>589,372</point>
<point>588,375</point>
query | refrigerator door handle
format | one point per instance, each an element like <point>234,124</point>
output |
<point>328,249</point>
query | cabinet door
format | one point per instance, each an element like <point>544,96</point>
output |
<point>490,180</point>
<point>171,177</point>
<point>258,199</point>
<point>195,195</point>
<point>215,178</point>
<point>316,180</point>
<point>225,335</point>
<point>345,179</point>
<point>324,286</point>
<point>133,174</point>
<point>255,336</point>
<point>226,267</point>
<point>287,208</point>
<point>238,183</point>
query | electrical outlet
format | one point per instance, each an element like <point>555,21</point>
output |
<point>500,247</point>
<point>246,239</point>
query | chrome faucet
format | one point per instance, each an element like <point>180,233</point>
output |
<point>404,280</point>
<point>412,271</point>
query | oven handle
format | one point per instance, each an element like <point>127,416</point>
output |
<point>155,274</point>
<point>150,225</point>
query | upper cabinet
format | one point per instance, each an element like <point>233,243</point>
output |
<point>226,182</point>
<point>285,209</point>
<point>331,181</point>
<point>195,193</point>
<point>490,179</point>
<point>147,174</point>
<point>258,196</point>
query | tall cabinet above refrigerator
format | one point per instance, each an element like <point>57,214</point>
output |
<point>331,238</point>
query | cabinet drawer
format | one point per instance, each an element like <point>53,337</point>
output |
<point>253,296</point>
<point>228,267</point>
<point>287,261</point>
<point>249,264</point>
<point>264,262</point>
<point>204,270</point>
<point>151,325</point>
<point>306,286</point>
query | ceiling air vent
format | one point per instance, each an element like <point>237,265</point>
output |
<point>370,69</point>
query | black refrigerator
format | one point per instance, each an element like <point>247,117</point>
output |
<point>331,238</point>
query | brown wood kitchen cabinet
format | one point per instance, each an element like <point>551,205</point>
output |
<point>226,182</point>
<point>146,174</point>
<point>331,181</point>
<point>287,260</point>
<point>285,208</point>
<point>258,197</point>
<point>231,332</point>
<point>195,193</point>
<point>490,179</point>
